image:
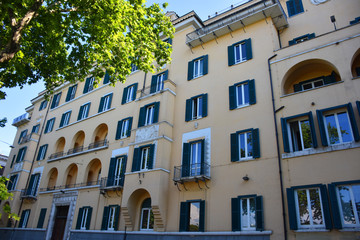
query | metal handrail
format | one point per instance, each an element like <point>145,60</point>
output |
<point>74,185</point>
<point>192,171</point>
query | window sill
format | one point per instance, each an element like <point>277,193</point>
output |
<point>312,230</point>
<point>349,229</point>
<point>245,160</point>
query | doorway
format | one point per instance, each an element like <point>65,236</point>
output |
<point>60,222</point>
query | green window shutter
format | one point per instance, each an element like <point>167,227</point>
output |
<point>87,83</point>
<point>235,214</point>
<point>252,93</point>
<point>357,70</point>
<point>185,168</point>
<point>151,157</point>
<point>110,100</point>
<point>202,216</point>
<point>298,6</point>
<point>142,115</point>
<point>153,83</point>
<point>204,104</point>
<point>231,55</point>
<point>88,219</point>
<point>166,75</point>
<point>22,218</point>
<point>248,49</point>
<point>117,214</point>
<point>184,216</point>
<point>234,147</point>
<point>353,122</point>
<point>259,213</point>
<point>12,162</point>
<point>118,129</point>
<point>290,7</point>
<point>106,78</point>
<point>80,113</point>
<point>42,215</point>
<point>101,105</point>
<point>188,110</point>
<point>297,87</point>
<point>311,36</point>
<point>136,160</point>
<point>202,156</point>
<point>39,153</point>
<point>22,135</point>
<point>320,118</point>
<point>111,173</point>
<point>335,207</point>
<point>123,170</point>
<point>285,135</point>
<point>105,219</point>
<point>28,190</point>
<point>292,42</point>
<point>78,222</point>
<point>330,79</point>
<point>232,97</point>
<point>358,106</point>
<point>206,64</point>
<point>68,95</point>
<point>62,120</point>
<point>256,143</point>
<point>123,101</point>
<point>134,92</point>
<point>326,207</point>
<point>128,133</point>
<point>291,208</point>
<point>156,112</point>
<point>190,70</point>
<point>312,128</point>
<point>11,182</point>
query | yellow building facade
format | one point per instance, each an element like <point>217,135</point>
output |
<point>252,132</point>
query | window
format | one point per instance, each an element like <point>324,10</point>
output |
<point>43,105</point>
<point>196,107</point>
<point>315,82</point>
<point>198,67</point>
<point>337,125</point>
<point>345,202</point>
<point>294,7</point>
<point>35,129</point>
<point>134,68</point>
<point>117,170</point>
<point>298,132</point>
<point>111,218</point>
<point>106,78</point>
<point>22,136</point>
<point>33,185</point>
<point>245,145</point>
<point>193,163</point>
<point>89,85</point>
<point>24,218</point>
<point>84,218</point>
<point>147,216</point>
<point>239,52</point>
<point>49,125</point>
<point>84,111</point>
<point>157,82</point>
<point>65,119</point>
<point>12,161</point>
<point>129,93</point>
<point>56,100</point>
<point>41,218</point>
<point>149,114</point>
<point>42,152</point>
<point>192,216</point>
<point>105,103</point>
<point>242,94</point>
<point>247,213</point>
<point>21,154</point>
<point>124,128</point>
<point>12,182</point>
<point>71,93</point>
<point>301,39</point>
<point>308,207</point>
<point>143,158</point>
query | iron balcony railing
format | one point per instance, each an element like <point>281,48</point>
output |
<point>24,194</point>
<point>75,150</point>
<point>111,183</point>
<point>56,155</point>
<point>192,172</point>
<point>67,186</point>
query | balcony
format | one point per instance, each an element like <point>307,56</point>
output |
<point>192,173</point>
<point>239,19</point>
<point>70,186</point>
<point>168,86</point>
<point>25,118</point>
<point>110,184</point>
<point>27,196</point>
<point>79,150</point>
<point>29,137</point>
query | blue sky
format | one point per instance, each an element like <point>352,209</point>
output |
<point>18,99</point>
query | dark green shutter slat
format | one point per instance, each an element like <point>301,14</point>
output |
<point>11,181</point>
<point>106,78</point>
<point>105,219</point>
<point>188,110</point>
<point>190,70</point>
<point>298,6</point>
<point>118,130</point>
<point>136,160</point>
<point>185,168</point>
<point>358,106</point>
<point>68,95</point>
<point>156,112</point>
<point>330,79</point>
<point>312,128</point>
<point>151,157</point>
<point>292,42</point>
<point>123,170</point>
<point>134,92</point>
<point>297,87</point>
<point>78,222</point>
<point>204,105</point>
<point>252,92</point>
<point>206,64</point>
<point>124,95</point>
<point>153,83</point>
<point>142,114</point>
<point>335,208</point>
<point>87,83</point>
<point>285,135</point>
<point>42,215</point>
<point>116,221</point>
<point>128,133</point>
<point>62,120</point>
<point>248,49</point>
<point>28,190</point>
<point>202,141</point>
<point>235,214</point>
<point>202,216</point>
<point>256,143</point>
<point>111,172</point>
<point>231,55</point>
<point>311,35</point>
<point>234,147</point>
<point>22,218</point>
<point>184,217</point>
<point>259,213</point>
<point>290,7</point>
<point>232,97</point>
<point>101,105</point>
<point>353,122</point>
<point>12,162</point>
<point>291,208</point>
<point>320,118</point>
<point>80,113</point>
<point>166,75</point>
<point>326,206</point>
<point>88,219</point>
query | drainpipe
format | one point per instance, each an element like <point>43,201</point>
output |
<point>278,151</point>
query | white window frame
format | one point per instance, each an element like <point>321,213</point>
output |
<point>160,82</point>
<point>43,105</point>
<point>43,149</point>
<point>111,218</point>
<point>66,118</point>
<point>57,100</point>
<point>13,186</point>
<point>249,214</point>
<point>26,219</point>
<point>312,83</point>
<point>336,113</point>
<point>73,92</point>
<point>144,158</point>
<point>134,68</point>
<point>129,93</point>
<point>148,219</point>
<point>239,57</point>
<point>291,135</point>
<point>35,184</point>
<point>106,105</point>
<point>37,128</point>
<point>85,111</point>
<point>196,107</point>
<point>51,125</point>
<point>91,84</point>
<point>84,218</point>
<point>245,134</point>
<point>124,128</point>
<point>198,68</point>
<point>241,87</point>
<point>22,155</point>
<point>149,118</point>
<point>195,162</point>
<point>118,167</point>
<point>357,217</point>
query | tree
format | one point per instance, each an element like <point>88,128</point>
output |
<point>66,40</point>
